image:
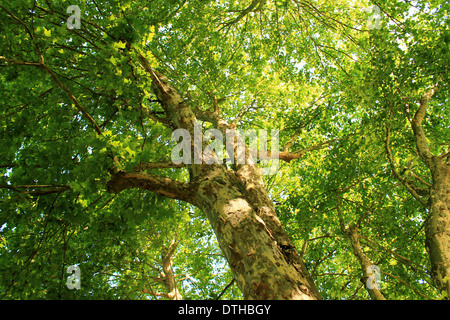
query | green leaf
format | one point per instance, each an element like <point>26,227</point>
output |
<point>47,33</point>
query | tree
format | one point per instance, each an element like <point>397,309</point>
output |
<point>87,115</point>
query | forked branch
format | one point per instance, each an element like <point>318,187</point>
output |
<point>390,157</point>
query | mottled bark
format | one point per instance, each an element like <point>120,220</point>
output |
<point>168,275</point>
<point>264,260</point>
<point>437,229</point>
<point>364,261</point>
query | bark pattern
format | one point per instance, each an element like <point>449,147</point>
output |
<point>437,228</point>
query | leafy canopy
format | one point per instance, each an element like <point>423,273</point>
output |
<point>313,70</point>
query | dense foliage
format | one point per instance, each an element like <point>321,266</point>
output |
<point>71,98</point>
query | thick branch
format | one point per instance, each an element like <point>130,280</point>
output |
<point>416,124</point>
<point>160,185</point>
<point>153,76</point>
<point>364,261</point>
<point>169,277</point>
<point>214,118</point>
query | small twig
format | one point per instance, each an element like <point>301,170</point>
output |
<point>406,284</point>
<point>71,97</point>
<point>225,289</point>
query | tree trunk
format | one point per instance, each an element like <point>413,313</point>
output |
<point>437,228</point>
<point>365,263</point>
<point>262,257</point>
